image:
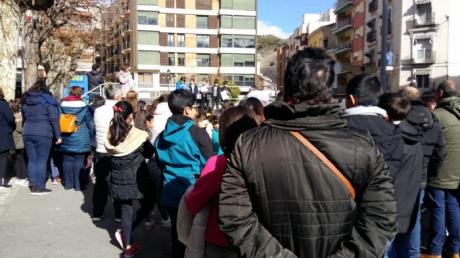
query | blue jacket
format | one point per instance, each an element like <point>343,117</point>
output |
<point>7,126</point>
<point>181,157</point>
<point>215,142</point>
<point>80,141</point>
<point>41,115</point>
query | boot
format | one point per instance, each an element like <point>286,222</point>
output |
<point>429,256</point>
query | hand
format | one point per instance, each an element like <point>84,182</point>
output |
<point>59,141</point>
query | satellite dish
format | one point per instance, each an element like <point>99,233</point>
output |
<point>37,5</point>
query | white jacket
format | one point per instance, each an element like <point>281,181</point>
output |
<point>160,118</point>
<point>102,117</point>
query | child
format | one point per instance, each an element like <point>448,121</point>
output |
<point>128,148</point>
<point>215,134</point>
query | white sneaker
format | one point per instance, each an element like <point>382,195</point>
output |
<point>166,223</point>
<point>5,188</point>
<point>22,182</point>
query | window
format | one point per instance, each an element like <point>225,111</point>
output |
<point>423,81</point>
<point>145,80</point>
<point>181,59</point>
<point>244,42</point>
<point>238,22</point>
<point>240,60</point>
<point>148,38</point>
<point>147,18</point>
<point>202,41</point>
<point>244,80</point>
<point>180,40</point>
<point>247,5</point>
<point>423,48</point>
<point>170,20</point>
<point>203,60</point>
<point>202,22</point>
<point>226,40</point>
<point>148,57</point>
<point>170,40</point>
<point>171,59</point>
<point>424,15</point>
<point>226,60</point>
<point>147,2</point>
<point>226,22</point>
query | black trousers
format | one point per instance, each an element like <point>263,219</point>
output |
<point>19,163</point>
<point>101,187</point>
<point>3,163</point>
<point>177,248</point>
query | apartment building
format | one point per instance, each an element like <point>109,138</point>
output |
<point>163,40</point>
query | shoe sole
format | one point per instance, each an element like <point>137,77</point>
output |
<point>120,240</point>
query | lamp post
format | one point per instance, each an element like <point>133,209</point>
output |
<point>384,49</point>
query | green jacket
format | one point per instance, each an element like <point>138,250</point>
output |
<point>448,175</point>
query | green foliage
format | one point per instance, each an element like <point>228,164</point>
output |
<point>235,91</point>
<point>267,40</point>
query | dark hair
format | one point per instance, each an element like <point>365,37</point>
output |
<point>366,89</point>
<point>309,75</point>
<point>2,95</point>
<point>124,67</point>
<point>119,128</point>
<point>178,100</point>
<point>253,104</point>
<point>111,92</point>
<point>148,117</point>
<point>233,122</point>
<point>396,106</point>
<point>95,67</point>
<point>141,105</point>
<point>163,98</point>
<point>97,101</point>
<point>428,97</point>
<point>39,85</point>
<point>216,81</point>
<point>75,91</point>
<point>449,88</point>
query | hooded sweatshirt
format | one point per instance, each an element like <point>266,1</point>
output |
<point>162,113</point>
<point>80,141</point>
<point>41,115</point>
<point>182,150</point>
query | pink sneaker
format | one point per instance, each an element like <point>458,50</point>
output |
<point>132,251</point>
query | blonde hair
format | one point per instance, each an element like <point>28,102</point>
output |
<point>131,98</point>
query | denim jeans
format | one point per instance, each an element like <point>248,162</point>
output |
<point>407,245</point>
<point>38,150</point>
<point>73,164</point>
<point>55,164</point>
<point>445,213</point>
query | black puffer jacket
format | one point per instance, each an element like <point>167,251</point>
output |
<point>279,200</point>
<point>404,155</point>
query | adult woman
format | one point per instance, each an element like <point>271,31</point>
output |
<point>7,126</point>
<point>126,80</point>
<point>41,125</point>
<point>128,148</point>
<point>232,124</point>
<point>76,146</point>
<point>20,168</point>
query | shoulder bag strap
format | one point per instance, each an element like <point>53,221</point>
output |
<point>326,162</point>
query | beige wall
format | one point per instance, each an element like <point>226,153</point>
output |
<point>162,20</point>
<point>162,3</point>
<point>215,4</point>
<point>189,4</point>
<point>190,40</point>
<point>190,59</point>
<point>190,21</point>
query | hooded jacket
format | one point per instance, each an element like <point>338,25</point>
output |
<point>286,203</point>
<point>182,150</point>
<point>127,164</point>
<point>41,115</point>
<point>7,127</point>
<point>161,116</point>
<point>402,151</point>
<point>80,141</point>
<point>94,79</point>
<point>447,176</point>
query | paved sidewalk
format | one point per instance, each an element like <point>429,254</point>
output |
<point>59,225</point>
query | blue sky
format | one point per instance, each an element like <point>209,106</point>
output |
<point>283,16</point>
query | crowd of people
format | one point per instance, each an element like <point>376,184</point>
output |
<point>301,177</point>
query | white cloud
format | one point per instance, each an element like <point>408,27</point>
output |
<point>264,28</point>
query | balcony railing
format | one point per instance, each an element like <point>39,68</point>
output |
<point>427,20</point>
<point>428,57</point>
<point>371,36</point>
<point>342,25</point>
<point>343,5</point>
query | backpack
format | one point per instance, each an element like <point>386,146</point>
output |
<point>68,123</point>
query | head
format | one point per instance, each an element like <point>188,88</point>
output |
<point>205,80</point>
<point>214,119</point>
<point>41,73</point>
<point>141,105</point>
<point>180,102</point>
<point>233,122</point>
<point>39,86</point>
<point>97,101</point>
<point>429,99</point>
<point>2,94</point>
<point>122,122</point>
<point>447,89</point>
<point>149,121</point>
<point>411,93</point>
<point>124,68</point>
<point>396,106</point>
<point>95,67</point>
<point>113,93</point>
<point>255,105</point>
<point>163,98</point>
<point>183,79</point>
<point>131,97</point>
<point>216,81</point>
<point>75,91</point>
<point>363,90</point>
<point>225,83</point>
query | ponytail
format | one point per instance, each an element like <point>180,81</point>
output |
<point>119,128</point>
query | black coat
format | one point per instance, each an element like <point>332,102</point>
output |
<point>94,79</point>
<point>127,173</point>
<point>404,154</point>
<point>279,200</point>
<point>7,127</point>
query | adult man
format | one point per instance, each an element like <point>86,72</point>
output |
<point>94,77</point>
<point>216,96</point>
<point>182,150</point>
<point>102,117</point>
<point>433,143</point>
<point>399,145</point>
<point>442,195</point>
<point>280,199</point>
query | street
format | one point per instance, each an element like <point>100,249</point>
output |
<point>59,225</point>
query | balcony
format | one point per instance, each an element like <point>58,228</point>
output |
<point>373,6</point>
<point>371,36</point>
<point>343,5</point>
<point>428,19</point>
<point>343,25</point>
<point>426,56</point>
<point>341,48</point>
